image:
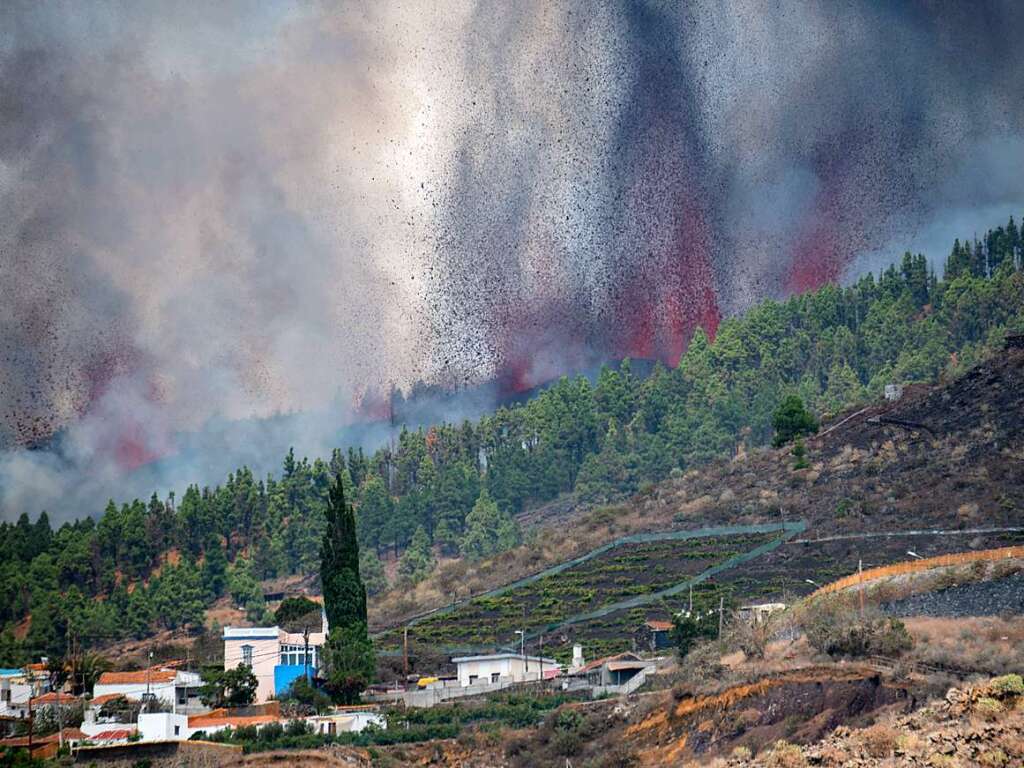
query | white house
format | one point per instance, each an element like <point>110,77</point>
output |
<point>276,657</point>
<point>503,668</point>
<point>163,726</point>
<point>346,720</point>
<point>168,726</point>
<point>17,686</point>
<point>176,688</point>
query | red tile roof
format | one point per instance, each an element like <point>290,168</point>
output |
<point>599,662</point>
<point>117,734</point>
<point>142,676</point>
<point>53,697</point>
<point>204,721</point>
<point>70,734</point>
<point>253,710</point>
<point>99,701</point>
<point>659,626</point>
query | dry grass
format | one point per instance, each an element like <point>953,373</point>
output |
<point>879,740</point>
<point>990,645</point>
<point>785,755</point>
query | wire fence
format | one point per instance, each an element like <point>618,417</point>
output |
<point>914,566</point>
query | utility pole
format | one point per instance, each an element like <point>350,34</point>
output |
<point>31,717</point>
<point>542,658</point>
<point>405,652</point>
<point>305,653</point>
<point>721,613</point>
<point>60,709</point>
<point>149,667</point>
<point>691,598</point>
<point>860,585</point>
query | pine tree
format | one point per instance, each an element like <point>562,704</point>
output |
<point>417,560</point>
<point>488,529</point>
<point>792,420</point>
<point>372,571</point>
<point>215,566</point>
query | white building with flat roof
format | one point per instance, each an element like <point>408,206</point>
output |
<point>503,668</point>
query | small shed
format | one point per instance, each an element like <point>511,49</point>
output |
<point>893,392</point>
<point>653,635</point>
<point>614,670</point>
<point>760,612</point>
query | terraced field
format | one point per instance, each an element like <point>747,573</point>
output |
<point>628,572</point>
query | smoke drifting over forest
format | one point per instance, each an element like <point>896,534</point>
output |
<point>213,213</point>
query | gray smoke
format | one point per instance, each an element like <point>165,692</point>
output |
<point>222,224</point>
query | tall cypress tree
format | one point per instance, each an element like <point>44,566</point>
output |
<point>348,654</point>
<point>344,593</point>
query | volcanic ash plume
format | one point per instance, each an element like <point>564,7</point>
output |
<point>213,214</point>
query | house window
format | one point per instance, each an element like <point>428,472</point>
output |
<point>292,655</point>
<point>247,655</point>
<point>495,676</point>
<point>177,730</point>
<point>473,679</point>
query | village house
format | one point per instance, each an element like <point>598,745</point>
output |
<point>17,686</point>
<point>276,657</point>
<point>52,700</point>
<point>623,669</point>
<point>168,726</point>
<point>503,667</point>
<point>45,747</point>
<point>347,720</point>
<point>174,687</point>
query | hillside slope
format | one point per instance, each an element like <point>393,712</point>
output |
<point>938,471</point>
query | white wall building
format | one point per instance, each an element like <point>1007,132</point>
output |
<point>346,721</point>
<point>163,726</point>
<point>17,686</point>
<point>174,687</point>
<point>503,668</point>
<point>276,657</point>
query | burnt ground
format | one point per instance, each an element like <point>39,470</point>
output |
<point>984,598</point>
<point>801,707</point>
<point>960,469</point>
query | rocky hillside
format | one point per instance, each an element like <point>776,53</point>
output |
<point>981,725</point>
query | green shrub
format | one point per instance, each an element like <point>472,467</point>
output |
<point>567,743</point>
<point>988,708</point>
<point>838,631</point>
<point>271,731</point>
<point>1007,685</point>
<point>568,720</point>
